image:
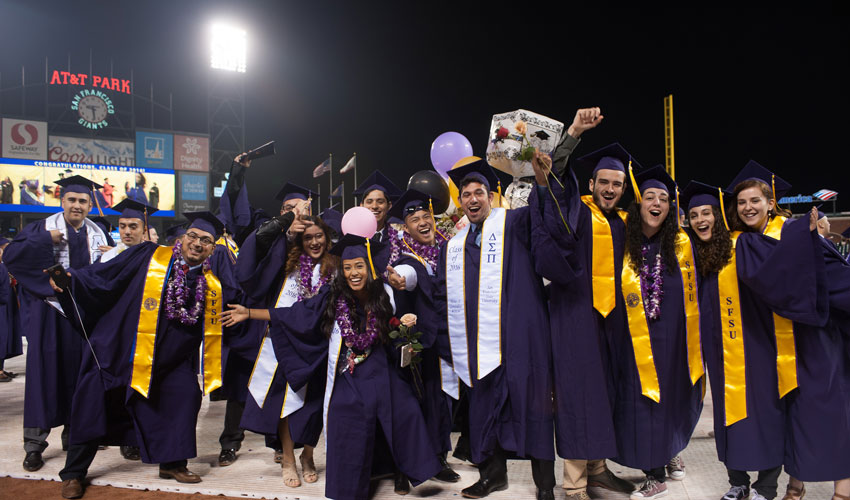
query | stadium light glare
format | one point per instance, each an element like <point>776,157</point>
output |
<point>228,48</point>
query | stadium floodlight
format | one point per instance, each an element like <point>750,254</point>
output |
<point>228,48</point>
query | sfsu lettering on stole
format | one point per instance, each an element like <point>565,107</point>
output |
<point>213,310</point>
<point>730,323</point>
<point>691,296</point>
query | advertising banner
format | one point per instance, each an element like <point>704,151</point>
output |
<point>91,150</point>
<point>192,152</point>
<point>24,139</point>
<point>154,150</point>
<point>194,192</point>
<point>30,186</point>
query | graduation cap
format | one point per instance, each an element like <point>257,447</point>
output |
<point>379,181</point>
<point>132,209</point>
<point>332,217</point>
<point>205,221</point>
<point>479,171</point>
<point>351,246</point>
<point>77,184</point>
<point>291,191</point>
<point>754,171</point>
<point>103,223</point>
<point>611,157</point>
<point>409,202</point>
<point>697,194</point>
<point>175,231</point>
<point>655,177</point>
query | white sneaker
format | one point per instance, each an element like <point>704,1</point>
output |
<point>756,496</point>
<point>736,493</point>
<point>676,468</point>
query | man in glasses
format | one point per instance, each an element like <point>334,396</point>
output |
<point>139,385</point>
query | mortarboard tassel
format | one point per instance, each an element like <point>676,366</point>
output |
<point>722,210</point>
<point>371,264</point>
<point>634,182</point>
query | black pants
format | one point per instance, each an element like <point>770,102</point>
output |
<point>766,484</point>
<point>658,473</point>
<point>232,435</point>
<point>80,457</point>
<point>542,471</point>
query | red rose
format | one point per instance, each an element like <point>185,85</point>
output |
<point>394,322</point>
<point>501,133</point>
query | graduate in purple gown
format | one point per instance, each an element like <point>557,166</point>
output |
<point>139,383</point>
<point>343,332</point>
<point>584,263</point>
<point>655,353</point>
<point>413,276</point>
<point>54,350</point>
<point>276,277</point>
<point>377,193</point>
<point>749,416</point>
<point>11,344</point>
<point>498,328</point>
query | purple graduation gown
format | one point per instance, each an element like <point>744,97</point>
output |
<point>584,427</point>
<point>817,445</point>
<point>436,404</point>
<point>374,398</point>
<point>512,406</point>
<point>105,408</point>
<point>649,434</point>
<point>757,442</point>
<point>262,276</point>
<point>11,344</point>
<point>54,348</point>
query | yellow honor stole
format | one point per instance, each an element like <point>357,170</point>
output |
<point>149,316</point>
<point>230,245</point>
<point>786,354</point>
<point>731,327</point>
<point>639,328</point>
<point>602,262</point>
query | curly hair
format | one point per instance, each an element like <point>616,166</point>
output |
<point>714,254</point>
<point>634,237</point>
<point>378,303</point>
<point>328,262</point>
<point>735,222</point>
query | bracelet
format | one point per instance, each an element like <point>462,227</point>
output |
<point>249,314</point>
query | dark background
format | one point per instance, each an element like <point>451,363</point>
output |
<point>384,79</point>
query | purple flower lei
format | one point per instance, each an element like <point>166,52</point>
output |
<point>395,247</point>
<point>431,253</point>
<point>176,293</point>
<point>305,269</point>
<point>651,283</point>
<point>360,341</point>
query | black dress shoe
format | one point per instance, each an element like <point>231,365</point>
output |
<point>402,485</point>
<point>545,495</point>
<point>226,457</point>
<point>484,487</point>
<point>447,474</point>
<point>33,461</point>
<point>130,452</point>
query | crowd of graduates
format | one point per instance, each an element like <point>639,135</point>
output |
<point>566,327</point>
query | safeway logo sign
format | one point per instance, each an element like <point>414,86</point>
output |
<point>24,134</point>
<point>24,139</point>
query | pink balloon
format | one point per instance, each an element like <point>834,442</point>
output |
<point>359,221</point>
<point>447,149</point>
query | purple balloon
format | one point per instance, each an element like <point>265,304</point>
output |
<point>447,149</point>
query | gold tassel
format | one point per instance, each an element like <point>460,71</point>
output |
<point>634,182</point>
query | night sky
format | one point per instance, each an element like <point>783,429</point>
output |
<point>384,79</point>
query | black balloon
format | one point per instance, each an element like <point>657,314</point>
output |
<point>429,182</point>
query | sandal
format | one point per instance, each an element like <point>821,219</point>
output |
<point>792,493</point>
<point>290,475</point>
<point>308,469</point>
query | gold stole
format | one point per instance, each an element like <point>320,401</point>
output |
<point>786,354</point>
<point>639,328</point>
<point>149,317</point>
<point>602,265</point>
<point>732,329</point>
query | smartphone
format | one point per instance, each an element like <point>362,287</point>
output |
<point>60,277</point>
<point>406,354</point>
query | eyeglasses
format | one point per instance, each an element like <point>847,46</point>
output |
<point>204,240</point>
